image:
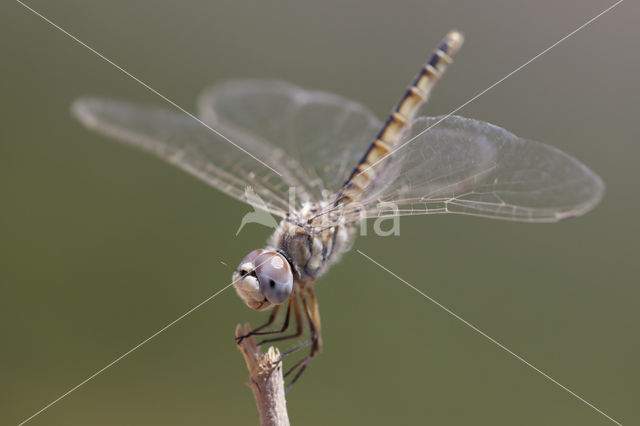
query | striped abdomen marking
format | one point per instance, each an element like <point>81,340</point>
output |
<point>415,96</point>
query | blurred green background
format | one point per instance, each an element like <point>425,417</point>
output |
<point>101,245</point>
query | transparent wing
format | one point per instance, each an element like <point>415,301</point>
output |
<point>323,135</point>
<point>470,167</point>
<point>183,141</point>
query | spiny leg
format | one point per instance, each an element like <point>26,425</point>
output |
<point>293,300</point>
<point>299,331</point>
<point>285,325</point>
<point>295,348</point>
<point>313,317</point>
<point>272,318</point>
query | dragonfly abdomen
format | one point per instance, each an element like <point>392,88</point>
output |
<point>389,136</point>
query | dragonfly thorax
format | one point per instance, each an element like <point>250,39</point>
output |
<point>310,244</point>
<point>300,250</point>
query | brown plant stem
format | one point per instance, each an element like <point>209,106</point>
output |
<point>265,380</point>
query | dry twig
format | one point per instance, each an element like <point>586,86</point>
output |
<point>265,380</point>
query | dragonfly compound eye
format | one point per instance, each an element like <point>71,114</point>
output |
<point>274,276</point>
<point>246,283</point>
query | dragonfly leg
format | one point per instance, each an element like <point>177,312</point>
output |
<point>272,318</point>
<point>295,348</point>
<point>293,301</point>
<point>313,316</point>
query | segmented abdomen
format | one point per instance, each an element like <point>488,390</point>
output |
<point>388,137</point>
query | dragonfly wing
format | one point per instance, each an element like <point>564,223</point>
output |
<point>459,165</point>
<point>187,143</point>
<point>323,135</point>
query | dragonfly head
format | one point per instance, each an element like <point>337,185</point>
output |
<point>263,279</point>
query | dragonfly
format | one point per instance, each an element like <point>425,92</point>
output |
<point>343,163</point>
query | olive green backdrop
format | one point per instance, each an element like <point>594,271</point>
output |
<point>101,246</point>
